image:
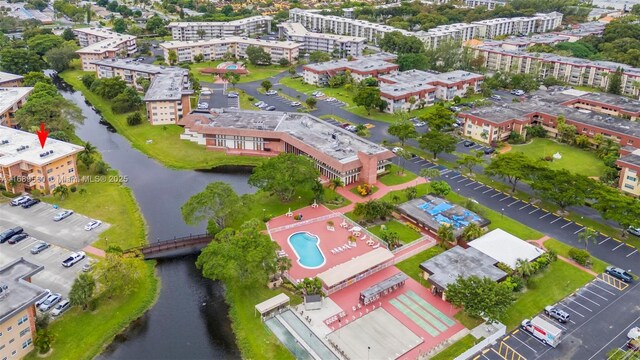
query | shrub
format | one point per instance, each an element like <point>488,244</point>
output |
<point>73,188</point>
<point>364,189</point>
<point>516,283</point>
<point>504,267</point>
<point>580,256</point>
<point>134,119</point>
<point>251,98</point>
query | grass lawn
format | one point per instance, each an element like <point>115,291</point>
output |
<point>97,329</point>
<point>557,282</point>
<point>165,145</point>
<point>255,72</point>
<point>468,321</point>
<point>563,249</point>
<point>396,175</point>
<point>457,348</point>
<point>405,233</point>
<point>245,102</point>
<point>410,266</point>
<point>573,159</point>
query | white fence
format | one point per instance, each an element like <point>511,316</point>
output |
<point>304,222</point>
<point>428,243</point>
<point>501,329</point>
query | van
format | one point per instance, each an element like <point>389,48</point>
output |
<point>20,200</point>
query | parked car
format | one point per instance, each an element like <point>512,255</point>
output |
<point>263,105</point>
<point>62,215</point>
<point>50,302</point>
<point>468,143</point>
<point>40,247</point>
<point>420,124</point>
<point>634,333</point>
<point>20,200</point>
<point>553,312</point>
<point>634,231</point>
<point>270,108</point>
<point>345,125</point>
<point>517,92</point>
<point>73,259</point>
<point>396,150</point>
<point>619,274</point>
<point>271,92</point>
<point>633,345</point>
<point>489,151</point>
<point>47,294</point>
<point>205,92</point>
<point>92,225</point>
<point>8,234</point>
<point>63,306</point>
<point>351,128</point>
<point>315,93</point>
<point>30,203</point>
<point>259,103</point>
<point>295,103</point>
<point>203,106</point>
<point>17,238</point>
<point>496,97</point>
<point>455,108</point>
<point>319,94</point>
<point>331,99</point>
<point>232,95</point>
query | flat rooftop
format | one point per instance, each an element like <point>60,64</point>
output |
<point>624,103</point>
<point>297,29</point>
<point>334,141</point>
<point>505,247</point>
<point>632,159</point>
<point>97,31</point>
<point>20,146</point>
<point>129,64</point>
<point>20,293</point>
<point>364,64</point>
<point>10,95</point>
<point>6,77</point>
<point>418,77</point>
<point>110,44</point>
<point>445,268</point>
<point>220,23</point>
<point>231,40</point>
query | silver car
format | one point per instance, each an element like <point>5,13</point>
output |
<point>62,215</point>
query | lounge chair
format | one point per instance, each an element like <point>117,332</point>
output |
<point>347,245</point>
<point>377,245</point>
<point>363,237</point>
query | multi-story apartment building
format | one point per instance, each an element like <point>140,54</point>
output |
<point>17,308</point>
<point>337,45</point>
<point>10,80</point>
<point>629,164</point>
<point>490,4</point>
<point>191,31</point>
<point>360,69</point>
<point>216,48</point>
<point>573,71</point>
<point>23,159</point>
<point>101,43</point>
<point>337,153</point>
<point>11,99</point>
<point>166,100</point>
<point>522,43</point>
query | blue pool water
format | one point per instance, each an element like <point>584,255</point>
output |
<point>306,247</point>
<point>232,67</point>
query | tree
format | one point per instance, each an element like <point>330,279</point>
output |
<point>411,192</point>
<point>437,142</point>
<point>587,236</point>
<point>613,205</point>
<point>44,338</point>
<point>116,273</point>
<point>284,174</point>
<point>446,235</point>
<point>468,161</point>
<point>19,61</point>
<point>101,167</point>
<point>61,191</point>
<point>567,132</point>
<point>440,187</point>
<point>480,297</point>
<point>82,290</point>
<point>172,57</point>
<point>311,102</point>
<point>319,56</point>
<point>257,55</point>
<point>615,82</point>
<point>283,264</point>
<point>201,33</point>
<point>412,61</point>
<point>373,210</point>
<point>68,34</point>
<point>126,101</point>
<point>391,238</point>
<point>439,118</point>
<point>119,25</point>
<point>396,42</point>
<point>283,62</point>
<point>198,58</point>
<point>217,203</point>
<point>311,286</point>
<point>244,256</point>
<point>44,42</point>
<point>562,187</point>
<point>471,232</point>
<point>134,119</point>
<point>32,78</point>
<point>59,58</point>
<point>336,183</point>
<point>524,268</point>
<point>367,97</point>
<point>514,166</point>
<point>403,130</point>
<point>266,85</point>
<point>524,82</point>
<point>430,173</point>
<point>109,88</point>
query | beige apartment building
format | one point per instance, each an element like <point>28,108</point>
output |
<point>12,99</point>
<point>101,43</point>
<point>629,163</point>
<point>337,45</point>
<point>10,80</point>
<point>191,31</point>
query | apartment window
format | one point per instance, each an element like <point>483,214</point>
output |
<point>13,353</point>
<point>11,341</point>
<point>71,170</point>
<point>26,344</point>
<point>23,320</point>
<point>24,332</point>
<point>9,328</point>
<point>631,178</point>
<point>51,178</point>
<point>69,162</point>
<point>49,171</point>
<point>628,186</point>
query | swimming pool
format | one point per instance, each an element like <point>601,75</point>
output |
<point>307,249</point>
<point>232,67</point>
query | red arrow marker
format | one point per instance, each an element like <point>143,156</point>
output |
<point>42,135</point>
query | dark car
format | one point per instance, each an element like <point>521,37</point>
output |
<point>619,274</point>
<point>468,143</point>
<point>489,151</point>
<point>8,234</point>
<point>30,203</point>
<point>17,238</point>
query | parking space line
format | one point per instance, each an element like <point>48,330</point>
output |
<point>505,198</point>
<point>596,294</point>
<point>524,206</point>
<point>496,194</point>
<point>617,246</point>
<point>457,176</point>
<point>577,231</point>
<point>486,191</point>
<point>514,202</point>
<point>601,288</point>
<point>555,220</point>
<point>572,310</point>
<point>525,344</point>
<point>603,241</point>
<point>531,212</point>
<point>586,298</point>
<point>459,181</point>
<point>544,216</point>
<point>478,187</point>
<point>470,183</point>
<point>633,252</point>
<point>567,224</point>
<point>613,282</point>
<point>556,323</point>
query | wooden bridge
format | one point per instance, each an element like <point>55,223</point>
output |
<point>175,247</point>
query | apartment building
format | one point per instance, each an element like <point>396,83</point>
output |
<point>216,48</point>
<point>337,45</point>
<point>489,4</point>
<point>579,31</point>
<point>607,104</point>
<point>629,164</point>
<point>573,71</point>
<point>522,43</point>
<point>337,153</point>
<point>10,80</point>
<point>166,100</point>
<point>360,69</point>
<point>102,43</point>
<point>23,159</point>
<point>17,308</point>
<point>191,31</point>
<point>12,99</point>
<point>425,87</point>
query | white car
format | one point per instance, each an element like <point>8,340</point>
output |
<point>20,200</point>
<point>272,92</point>
<point>205,92</point>
<point>203,106</point>
<point>319,94</point>
<point>331,99</point>
<point>315,93</point>
<point>634,333</point>
<point>259,103</point>
<point>62,306</point>
<point>420,124</point>
<point>47,294</point>
<point>230,95</point>
<point>295,103</point>
<point>92,225</point>
<point>62,215</point>
<point>396,150</point>
<point>73,258</point>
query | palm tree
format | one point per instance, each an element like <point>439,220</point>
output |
<point>446,235</point>
<point>89,149</point>
<point>471,232</point>
<point>13,182</point>
<point>336,183</point>
<point>61,191</point>
<point>587,236</point>
<point>283,264</point>
<point>524,268</point>
<point>430,173</point>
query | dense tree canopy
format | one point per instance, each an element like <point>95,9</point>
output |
<point>403,130</point>
<point>257,55</point>
<point>217,203</point>
<point>437,142</point>
<point>513,166</point>
<point>481,298</point>
<point>20,61</point>
<point>43,43</point>
<point>46,105</point>
<point>284,174</point>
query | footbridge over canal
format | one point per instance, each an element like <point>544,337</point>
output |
<point>186,245</point>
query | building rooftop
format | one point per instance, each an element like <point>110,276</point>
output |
<point>363,64</point>
<point>110,44</point>
<point>230,40</point>
<point>19,293</point>
<point>10,95</point>
<point>297,29</point>
<point>6,77</point>
<point>106,32</point>
<point>20,146</point>
<point>213,23</point>
<point>505,248</point>
<point>622,102</point>
<point>445,268</point>
<point>355,266</point>
<point>632,159</point>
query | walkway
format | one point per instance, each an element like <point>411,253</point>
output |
<point>381,192</point>
<point>540,243</point>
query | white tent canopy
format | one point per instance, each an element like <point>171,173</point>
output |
<point>273,303</point>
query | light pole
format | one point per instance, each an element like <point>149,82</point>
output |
<point>502,212</point>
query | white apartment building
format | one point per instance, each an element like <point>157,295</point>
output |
<point>338,45</point>
<point>102,43</point>
<point>216,48</point>
<point>490,4</point>
<point>191,31</point>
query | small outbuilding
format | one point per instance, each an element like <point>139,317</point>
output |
<point>312,302</point>
<point>505,248</point>
<point>272,305</point>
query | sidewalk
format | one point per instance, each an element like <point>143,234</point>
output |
<point>382,191</point>
<point>540,243</point>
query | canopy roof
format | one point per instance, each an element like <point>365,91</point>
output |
<point>351,268</point>
<point>272,303</point>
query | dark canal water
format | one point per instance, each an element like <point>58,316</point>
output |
<point>190,319</point>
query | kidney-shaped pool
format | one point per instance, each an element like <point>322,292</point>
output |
<point>307,248</point>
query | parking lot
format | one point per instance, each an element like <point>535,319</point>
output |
<point>600,313</point>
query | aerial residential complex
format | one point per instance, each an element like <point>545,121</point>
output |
<point>10,80</point>
<point>101,43</point>
<point>190,31</point>
<point>166,100</point>
<point>338,45</point>
<point>338,153</point>
<point>17,311</point>
<point>22,158</point>
<point>489,29</point>
<point>362,68</point>
<point>216,48</point>
<point>11,99</point>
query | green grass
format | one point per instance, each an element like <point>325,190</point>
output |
<point>557,282</point>
<point>396,175</point>
<point>165,145</point>
<point>97,329</point>
<point>255,72</point>
<point>573,159</point>
<point>410,266</point>
<point>245,102</point>
<point>563,249</point>
<point>405,233</point>
<point>468,321</point>
<point>456,348</point>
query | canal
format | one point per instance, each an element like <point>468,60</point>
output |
<point>190,319</point>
